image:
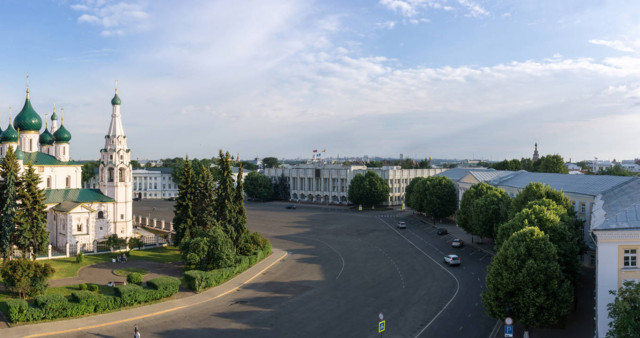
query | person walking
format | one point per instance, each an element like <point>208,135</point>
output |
<point>136,332</point>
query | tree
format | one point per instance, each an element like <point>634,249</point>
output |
<point>248,165</point>
<point>524,281</point>
<point>527,164</point>
<point>270,162</point>
<point>491,210</point>
<point>368,189</point>
<point>258,186</point>
<point>513,165</point>
<point>8,201</point>
<point>26,278</point>
<point>616,170</point>
<point>31,217</point>
<point>281,188</point>
<point>208,250</point>
<point>89,170</point>
<point>183,209</point>
<point>441,198</point>
<point>135,164</point>
<point>413,194</point>
<point>625,311</point>
<point>535,191</point>
<point>552,164</point>
<point>204,201</point>
<point>225,200</point>
<point>467,210</point>
<point>240,219</point>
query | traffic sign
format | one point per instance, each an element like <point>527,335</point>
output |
<point>508,331</point>
<point>508,321</point>
<point>381,316</point>
<point>403,206</point>
<point>360,207</point>
<point>381,326</point>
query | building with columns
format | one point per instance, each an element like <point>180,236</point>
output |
<point>74,215</point>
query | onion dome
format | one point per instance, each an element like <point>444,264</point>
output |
<point>62,135</point>
<point>115,101</point>
<point>46,138</point>
<point>9,135</point>
<point>28,119</point>
<point>54,116</point>
<point>19,154</point>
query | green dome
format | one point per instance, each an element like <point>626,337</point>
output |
<point>62,135</point>
<point>28,119</point>
<point>19,154</point>
<point>54,116</point>
<point>9,135</point>
<point>115,101</point>
<point>46,139</point>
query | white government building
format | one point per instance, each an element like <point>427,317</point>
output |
<point>75,215</point>
<point>329,183</point>
<point>148,183</point>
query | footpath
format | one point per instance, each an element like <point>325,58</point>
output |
<point>81,324</point>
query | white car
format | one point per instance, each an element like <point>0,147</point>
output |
<point>402,225</point>
<point>452,260</point>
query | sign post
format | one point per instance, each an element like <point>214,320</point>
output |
<point>508,327</point>
<point>381,324</point>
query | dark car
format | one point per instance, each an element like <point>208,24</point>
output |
<point>291,206</point>
<point>442,231</point>
<point>457,243</point>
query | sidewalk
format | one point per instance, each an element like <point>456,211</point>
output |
<point>485,244</point>
<point>80,324</point>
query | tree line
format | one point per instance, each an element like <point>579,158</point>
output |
<point>545,164</point>
<point>262,188</point>
<point>210,217</point>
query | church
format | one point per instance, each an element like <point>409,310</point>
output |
<point>75,216</point>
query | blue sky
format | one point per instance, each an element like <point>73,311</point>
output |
<point>439,78</point>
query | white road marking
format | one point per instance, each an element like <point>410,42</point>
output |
<point>330,247</point>
<point>394,264</point>
<point>429,244</point>
<point>437,264</point>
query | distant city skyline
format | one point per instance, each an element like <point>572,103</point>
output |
<point>426,78</point>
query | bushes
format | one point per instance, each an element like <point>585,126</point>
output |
<point>92,287</point>
<point>25,277</point>
<point>86,302</point>
<point>201,280</point>
<point>79,257</point>
<point>82,286</point>
<point>134,278</point>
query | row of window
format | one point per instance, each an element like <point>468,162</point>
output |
<point>141,186</point>
<point>67,182</point>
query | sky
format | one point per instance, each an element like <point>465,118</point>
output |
<point>425,78</point>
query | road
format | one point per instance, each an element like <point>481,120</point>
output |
<point>343,269</point>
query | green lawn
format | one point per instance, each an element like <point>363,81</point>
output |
<point>67,290</point>
<point>67,267</point>
<point>126,271</point>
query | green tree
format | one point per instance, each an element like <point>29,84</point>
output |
<point>281,188</point>
<point>240,219</point>
<point>248,165</point>
<point>135,164</point>
<point>527,164</point>
<point>24,277</point>
<point>270,162</point>
<point>89,170</point>
<point>625,311</point>
<point>414,192</point>
<point>525,279</point>
<point>258,186</point>
<point>184,218</point>
<point>491,210</point>
<point>616,170</point>
<point>424,164</point>
<point>204,201</point>
<point>552,164</point>
<point>225,201</point>
<point>374,164</point>
<point>9,187</point>
<point>584,165</point>
<point>467,210</point>
<point>208,250</point>
<point>440,197</point>
<point>535,191</point>
<point>31,217</point>
<point>368,189</point>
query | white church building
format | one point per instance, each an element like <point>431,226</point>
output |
<point>75,216</point>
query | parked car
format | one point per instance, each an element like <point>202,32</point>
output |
<point>402,225</point>
<point>457,243</point>
<point>442,231</point>
<point>452,260</point>
<point>291,206</point>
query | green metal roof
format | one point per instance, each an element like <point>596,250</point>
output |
<point>39,158</point>
<point>46,139</point>
<point>115,100</point>
<point>28,119</point>
<point>62,135</point>
<point>9,135</point>
<point>54,196</point>
<point>66,206</point>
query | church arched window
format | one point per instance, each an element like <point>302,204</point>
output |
<point>111,173</point>
<point>68,182</point>
<point>64,150</point>
<point>49,182</point>
<point>122,174</point>
<point>100,214</point>
<point>79,227</point>
<point>30,144</point>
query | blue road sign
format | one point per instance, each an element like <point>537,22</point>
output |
<point>381,326</point>
<point>508,331</point>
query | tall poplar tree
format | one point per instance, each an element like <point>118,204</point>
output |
<point>184,208</point>
<point>205,201</point>
<point>225,197</point>
<point>8,199</point>
<point>31,217</point>
<point>240,219</point>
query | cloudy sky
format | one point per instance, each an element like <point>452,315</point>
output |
<point>439,78</point>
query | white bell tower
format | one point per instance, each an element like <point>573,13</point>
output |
<point>115,173</point>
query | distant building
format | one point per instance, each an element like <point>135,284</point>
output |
<point>535,156</point>
<point>601,165</point>
<point>573,168</point>
<point>329,183</point>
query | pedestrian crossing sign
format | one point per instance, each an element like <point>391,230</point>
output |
<point>381,326</point>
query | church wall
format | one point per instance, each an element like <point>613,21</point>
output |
<point>58,175</point>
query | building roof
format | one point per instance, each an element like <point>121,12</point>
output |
<point>489,175</point>
<point>46,138</point>
<point>28,119</point>
<point>621,207</point>
<point>54,196</point>
<point>455,174</point>
<point>40,158</point>
<point>9,135</point>
<point>115,101</point>
<point>62,135</point>
<point>592,185</point>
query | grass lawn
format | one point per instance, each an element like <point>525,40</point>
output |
<point>67,290</point>
<point>126,271</point>
<point>67,267</point>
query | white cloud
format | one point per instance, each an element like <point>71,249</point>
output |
<point>386,24</point>
<point>623,46</point>
<point>415,8</point>
<point>115,18</point>
<point>475,10</point>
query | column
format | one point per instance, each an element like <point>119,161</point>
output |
<point>49,249</point>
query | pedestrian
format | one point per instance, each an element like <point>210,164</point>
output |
<point>136,332</point>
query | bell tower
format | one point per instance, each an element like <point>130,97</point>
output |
<point>115,172</point>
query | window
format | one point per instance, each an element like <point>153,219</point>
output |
<point>121,216</point>
<point>122,174</point>
<point>30,145</point>
<point>100,214</point>
<point>583,207</point>
<point>48,182</point>
<point>121,157</point>
<point>68,182</point>
<point>110,174</point>
<point>630,258</point>
<point>79,227</point>
<point>111,157</point>
<point>64,150</point>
